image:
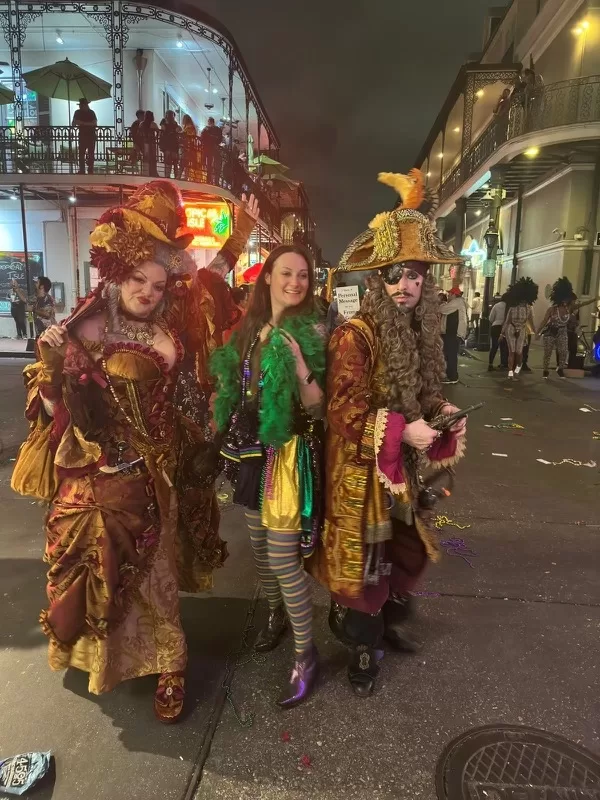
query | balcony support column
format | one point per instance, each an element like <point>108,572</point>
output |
<point>14,24</point>
<point>589,251</point>
<point>483,342</point>
<point>118,40</point>
<point>460,210</point>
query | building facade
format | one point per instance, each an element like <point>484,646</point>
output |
<point>517,155</point>
<point>159,57</point>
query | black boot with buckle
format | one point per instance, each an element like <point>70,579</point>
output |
<point>363,669</point>
<point>397,616</point>
<point>270,636</point>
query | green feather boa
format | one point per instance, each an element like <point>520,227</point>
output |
<point>280,385</point>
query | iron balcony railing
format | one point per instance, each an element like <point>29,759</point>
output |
<point>55,150</point>
<point>560,104</point>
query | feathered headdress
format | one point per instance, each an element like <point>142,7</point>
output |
<point>151,225</point>
<point>562,291</point>
<point>405,234</point>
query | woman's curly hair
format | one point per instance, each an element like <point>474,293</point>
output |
<point>562,292</point>
<point>525,290</point>
<point>411,349</point>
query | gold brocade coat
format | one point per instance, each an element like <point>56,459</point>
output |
<point>356,504</point>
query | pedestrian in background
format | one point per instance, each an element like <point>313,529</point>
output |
<point>18,300</point>
<point>136,137</point>
<point>497,316</point>
<point>553,329</point>
<point>168,141</point>
<point>189,151</point>
<point>44,312</point>
<point>210,141</point>
<point>476,307</point>
<point>453,329</point>
<point>85,120</point>
<point>148,136</point>
<point>519,301</point>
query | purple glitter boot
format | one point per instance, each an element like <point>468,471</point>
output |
<point>302,679</point>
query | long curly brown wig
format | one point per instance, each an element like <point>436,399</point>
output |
<point>411,348</point>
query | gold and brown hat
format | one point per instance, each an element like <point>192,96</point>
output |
<point>127,235</point>
<point>405,234</point>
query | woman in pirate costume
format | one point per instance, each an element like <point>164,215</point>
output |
<point>118,446</point>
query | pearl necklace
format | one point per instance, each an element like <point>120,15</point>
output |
<point>143,334</point>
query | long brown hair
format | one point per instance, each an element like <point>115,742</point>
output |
<point>259,309</point>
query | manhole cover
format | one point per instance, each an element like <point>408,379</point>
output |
<point>504,762</point>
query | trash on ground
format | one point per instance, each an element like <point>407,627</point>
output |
<point>500,455</point>
<point>586,410</point>
<point>20,773</point>
<point>285,736</point>
<point>505,419</point>
<point>305,761</point>
<point>596,435</point>
<point>571,461</point>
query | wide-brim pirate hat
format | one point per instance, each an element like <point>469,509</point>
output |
<point>405,234</point>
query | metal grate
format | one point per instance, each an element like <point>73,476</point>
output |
<point>500,762</point>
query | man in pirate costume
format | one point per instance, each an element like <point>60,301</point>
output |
<point>384,371</point>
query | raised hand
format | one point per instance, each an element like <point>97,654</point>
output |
<point>251,207</point>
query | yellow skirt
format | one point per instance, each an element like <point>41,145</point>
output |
<point>281,507</point>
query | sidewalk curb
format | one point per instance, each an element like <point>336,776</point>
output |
<point>195,778</point>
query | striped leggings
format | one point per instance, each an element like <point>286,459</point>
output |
<point>282,577</point>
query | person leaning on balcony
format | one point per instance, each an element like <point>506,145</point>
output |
<point>85,120</point>
<point>168,141</point>
<point>189,151</point>
<point>210,141</point>
<point>136,137</point>
<point>148,136</point>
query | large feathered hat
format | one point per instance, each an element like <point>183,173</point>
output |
<point>152,221</point>
<point>405,234</point>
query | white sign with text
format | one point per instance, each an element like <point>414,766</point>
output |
<point>348,300</point>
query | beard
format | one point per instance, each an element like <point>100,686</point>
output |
<point>410,347</point>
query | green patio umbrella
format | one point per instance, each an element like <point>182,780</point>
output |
<point>267,167</point>
<point>66,80</point>
<point>7,96</point>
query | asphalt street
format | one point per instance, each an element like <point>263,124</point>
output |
<point>511,619</point>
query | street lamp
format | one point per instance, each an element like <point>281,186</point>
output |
<point>492,240</point>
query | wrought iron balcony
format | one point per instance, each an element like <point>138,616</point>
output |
<point>55,150</point>
<point>558,105</point>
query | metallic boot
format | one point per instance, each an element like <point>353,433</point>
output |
<point>397,615</point>
<point>363,669</point>
<point>269,637</point>
<point>303,678</point>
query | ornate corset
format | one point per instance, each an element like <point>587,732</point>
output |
<point>140,387</point>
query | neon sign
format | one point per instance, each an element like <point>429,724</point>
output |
<point>474,254</point>
<point>210,222</point>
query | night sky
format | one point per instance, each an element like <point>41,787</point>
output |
<point>352,88</point>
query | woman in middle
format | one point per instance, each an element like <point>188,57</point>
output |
<point>269,407</point>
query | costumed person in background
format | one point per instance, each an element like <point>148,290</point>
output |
<point>573,329</point>
<point>496,321</point>
<point>554,325</point>
<point>383,383</point>
<point>119,447</point>
<point>269,406</point>
<point>518,321</point>
<point>454,327</point>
